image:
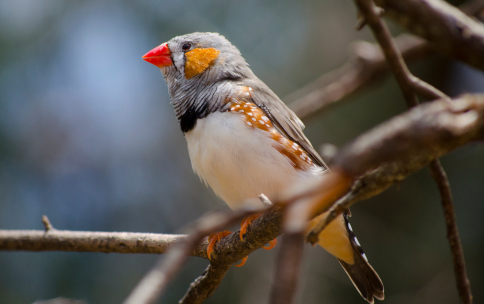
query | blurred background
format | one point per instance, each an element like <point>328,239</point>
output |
<point>88,138</point>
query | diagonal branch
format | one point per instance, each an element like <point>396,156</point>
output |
<point>463,284</point>
<point>411,85</point>
<point>205,285</point>
<point>420,133</point>
<point>451,32</point>
<point>366,64</point>
<point>408,83</point>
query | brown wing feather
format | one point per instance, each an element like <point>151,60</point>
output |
<point>283,118</point>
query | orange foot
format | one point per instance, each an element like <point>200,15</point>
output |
<point>214,238</point>
<point>272,244</point>
<point>243,229</point>
<point>245,223</point>
<point>242,262</point>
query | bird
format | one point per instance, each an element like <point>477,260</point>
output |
<point>243,141</point>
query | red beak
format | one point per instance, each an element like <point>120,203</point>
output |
<point>159,56</point>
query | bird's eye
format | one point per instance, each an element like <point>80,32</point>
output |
<point>186,46</point>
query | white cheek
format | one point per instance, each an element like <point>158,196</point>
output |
<point>179,61</point>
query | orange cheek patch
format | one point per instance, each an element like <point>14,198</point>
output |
<point>198,60</point>
<point>255,118</point>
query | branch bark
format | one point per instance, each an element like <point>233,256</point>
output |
<point>89,241</point>
<point>436,129</point>
<point>463,284</point>
<point>451,32</point>
<point>205,285</point>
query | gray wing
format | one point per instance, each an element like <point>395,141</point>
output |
<point>285,120</point>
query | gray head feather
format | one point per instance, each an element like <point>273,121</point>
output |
<point>203,93</point>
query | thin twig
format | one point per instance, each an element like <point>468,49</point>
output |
<point>425,90</point>
<point>463,284</point>
<point>47,225</point>
<point>393,57</point>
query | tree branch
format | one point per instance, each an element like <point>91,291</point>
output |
<point>463,284</point>
<point>406,143</point>
<point>395,142</point>
<point>227,252</point>
<point>451,32</point>
<point>205,285</point>
<point>365,66</point>
<point>89,241</point>
<point>410,85</point>
<point>424,137</point>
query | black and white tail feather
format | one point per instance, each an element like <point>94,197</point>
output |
<point>363,276</point>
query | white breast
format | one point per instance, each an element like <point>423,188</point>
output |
<point>237,161</point>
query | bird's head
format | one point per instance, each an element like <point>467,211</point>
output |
<point>200,70</point>
<point>198,58</point>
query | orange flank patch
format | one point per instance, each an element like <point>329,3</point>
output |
<point>198,60</point>
<point>254,117</point>
<point>334,238</point>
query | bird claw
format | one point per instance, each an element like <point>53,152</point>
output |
<point>245,224</point>
<point>213,239</point>
<point>271,245</point>
<point>242,262</point>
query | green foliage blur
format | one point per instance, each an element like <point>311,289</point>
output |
<point>88,138</point>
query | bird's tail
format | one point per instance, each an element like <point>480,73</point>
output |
<point>363,276</point>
